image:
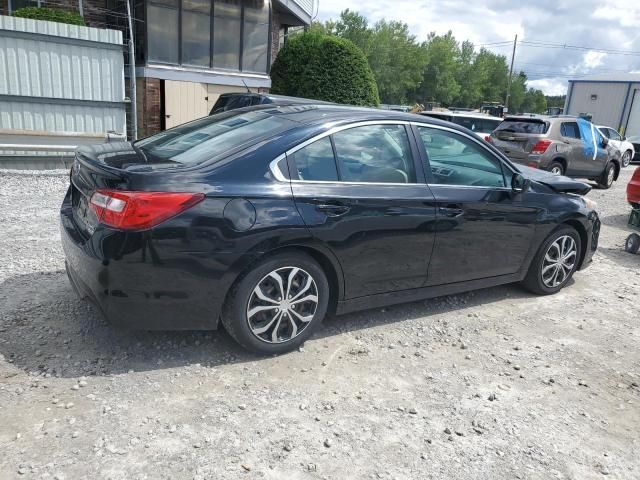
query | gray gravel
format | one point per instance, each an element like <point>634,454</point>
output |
<point>491,384</point>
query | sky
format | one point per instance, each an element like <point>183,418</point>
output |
<point>595,25</point>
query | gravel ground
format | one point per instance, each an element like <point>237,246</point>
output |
<point>491,384</point>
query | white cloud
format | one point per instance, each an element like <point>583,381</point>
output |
<point>549,86</point>
<point>593,59</point>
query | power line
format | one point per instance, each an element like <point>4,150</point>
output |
<point>565,46</point>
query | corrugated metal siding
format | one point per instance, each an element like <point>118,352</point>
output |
<point>77,64</point>
<point>606,109</point>
<point>306,5</point>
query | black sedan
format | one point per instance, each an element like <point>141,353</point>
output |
<point>268,218</point>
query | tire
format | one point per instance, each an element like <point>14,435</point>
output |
<point>632,245</point>
<point>608,176</point>
<point>539,279</point>
<point>556,168</point>
<point>268,330</point>
<point>626,159</point>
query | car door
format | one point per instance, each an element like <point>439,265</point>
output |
<point>483,229</point>
<point>360,192</point>
<point>578,163</point>
<point>594,153</point>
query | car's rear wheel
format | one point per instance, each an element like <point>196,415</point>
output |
<point>555,262</point>
<point>278,304</point>
<point>626,159</point>
<point>608,176</point>
<point>556,168</point>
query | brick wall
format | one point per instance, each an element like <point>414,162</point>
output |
<point>149,106</point>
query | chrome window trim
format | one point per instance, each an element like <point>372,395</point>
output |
<point>277,173</point>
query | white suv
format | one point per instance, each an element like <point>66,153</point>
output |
<point>621,143</point>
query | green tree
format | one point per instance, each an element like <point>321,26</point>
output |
<point>395,58</point>
<point>439,75</point>
<point>470,83</point>
<point>534,101</point>
<point>492,71</point>
<point>518,92</point>
<point>314,65</point>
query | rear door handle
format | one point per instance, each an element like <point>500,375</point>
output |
<point>332,209</point>
<point>451,211</point>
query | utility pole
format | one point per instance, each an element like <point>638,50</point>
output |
<point>132,78</point>
<point>513,58</point>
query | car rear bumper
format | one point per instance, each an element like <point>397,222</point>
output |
<point>148,284</point>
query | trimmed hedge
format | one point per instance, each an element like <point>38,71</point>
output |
<point>50,14</point>
<point>323,67</point>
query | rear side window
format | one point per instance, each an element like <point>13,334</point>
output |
<point>570,130</point>
<point>523,126</point>
<point>315,162</point>
<point>375,153</point>
<point>211,138</point>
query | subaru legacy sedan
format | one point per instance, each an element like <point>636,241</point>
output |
<point>267,219</point>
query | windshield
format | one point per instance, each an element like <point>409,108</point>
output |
<point>211,137</point>
<point>535,127</point>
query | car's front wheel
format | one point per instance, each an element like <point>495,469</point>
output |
<point>278,304</point>
<point>626,159</point>
<point>555,262</point>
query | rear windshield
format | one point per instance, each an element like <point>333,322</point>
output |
<point>211,137</point>
<point>483,125</point>
<point>523,126</point>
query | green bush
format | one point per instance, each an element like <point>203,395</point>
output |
<point>314,65</point>
<point>50,14</point>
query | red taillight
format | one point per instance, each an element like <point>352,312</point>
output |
<point>533,164</point>
<point>126,210</point>
<point>541,146</point>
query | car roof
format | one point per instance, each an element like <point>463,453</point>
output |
<point>275,98</point>
<point>333,113</point>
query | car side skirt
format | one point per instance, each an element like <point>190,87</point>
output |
<point>405,296</point>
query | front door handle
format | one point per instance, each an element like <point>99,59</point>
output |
<point>332,209</point>
<point>451,211</point>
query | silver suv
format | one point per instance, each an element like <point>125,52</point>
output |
<point>563,145</point>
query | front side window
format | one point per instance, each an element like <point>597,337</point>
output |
<point>316,162</point>
<point>374,153</point>
<point>457,160</point>
<point>613,135</point>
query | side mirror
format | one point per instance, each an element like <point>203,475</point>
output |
<point>519,183</point>
<point>605,141</point>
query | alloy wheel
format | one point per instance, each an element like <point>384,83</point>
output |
<point>282,305</point>
<point>610,176</point>
<point>556,170</point>
<point>559,261</point>
<point>626,159</point>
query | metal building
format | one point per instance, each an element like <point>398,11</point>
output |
<point>612,100</point>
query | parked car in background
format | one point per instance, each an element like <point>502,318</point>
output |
<point>633,189</point>
<point>231,101</point>
<point>626,148</point>
<point>479,123</point>
<point>635,141</point>
<point>562,145</point>
<point>269,218</point>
